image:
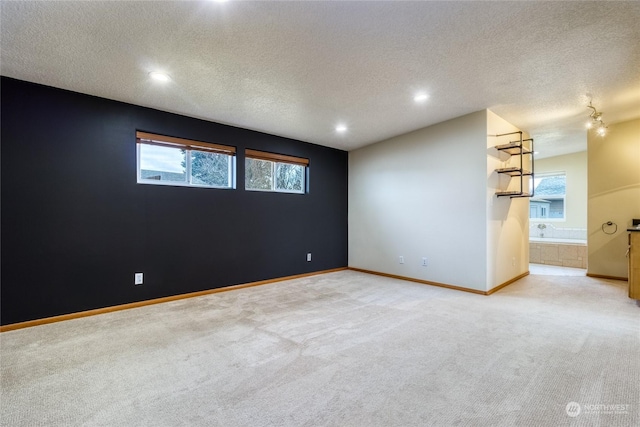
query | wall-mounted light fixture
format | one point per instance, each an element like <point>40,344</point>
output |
<point>595,121</point>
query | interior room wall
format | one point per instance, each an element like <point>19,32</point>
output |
<point>613,195</point>
<point>76,226</point>
<point>431,194</point>
<point>575,166</point>
<point>507,224</point>
<point>422,195</point>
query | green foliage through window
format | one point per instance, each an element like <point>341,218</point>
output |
<point>210,169</point>
<point>258,174</point>
<point>289,177</point>
<point>267,175</point>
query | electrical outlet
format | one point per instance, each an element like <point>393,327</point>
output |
<point>513,261</point>
<point>401,259</point>
<point>138,279</point>
<point>309,257</point>
<point>424,262</point>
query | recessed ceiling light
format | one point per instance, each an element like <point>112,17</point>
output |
<point>160,77</point>
<point>420,97</point>
<point>341,128</point>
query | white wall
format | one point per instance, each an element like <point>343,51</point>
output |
<point>575,166</point>
<point>426,194</point>
<point>613,195</point>
<point>422,195</point>
<point>507,226</point>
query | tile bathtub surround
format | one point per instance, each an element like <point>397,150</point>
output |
<point>551,231</point>
<point>561,254</point>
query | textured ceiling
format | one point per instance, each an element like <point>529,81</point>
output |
<point>297,69</point>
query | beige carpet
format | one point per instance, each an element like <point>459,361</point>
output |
<point>340,349</point>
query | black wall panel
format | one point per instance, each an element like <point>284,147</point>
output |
<point>76,226</point>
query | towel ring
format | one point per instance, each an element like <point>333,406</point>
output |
<point>609,224</point>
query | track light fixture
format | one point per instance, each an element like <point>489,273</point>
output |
<point>595,121</point>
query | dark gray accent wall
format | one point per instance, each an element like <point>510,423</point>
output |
<point>76,226</point>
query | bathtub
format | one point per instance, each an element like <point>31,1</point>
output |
<point>552,240</point>
<point>554,251</point>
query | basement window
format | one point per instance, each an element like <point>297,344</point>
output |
<point>275,172</point>
<point>165,160</point>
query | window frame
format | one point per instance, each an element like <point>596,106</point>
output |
<point>543,175</point>
<point>146,138</point>
<point>275,159</point>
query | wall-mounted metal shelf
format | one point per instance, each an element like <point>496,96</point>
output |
<point>516,148</point>
<point>513,147</point>
<point>513,194</point>
<point>514,171</point>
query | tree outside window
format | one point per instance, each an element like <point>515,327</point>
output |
<point>274,172</point>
